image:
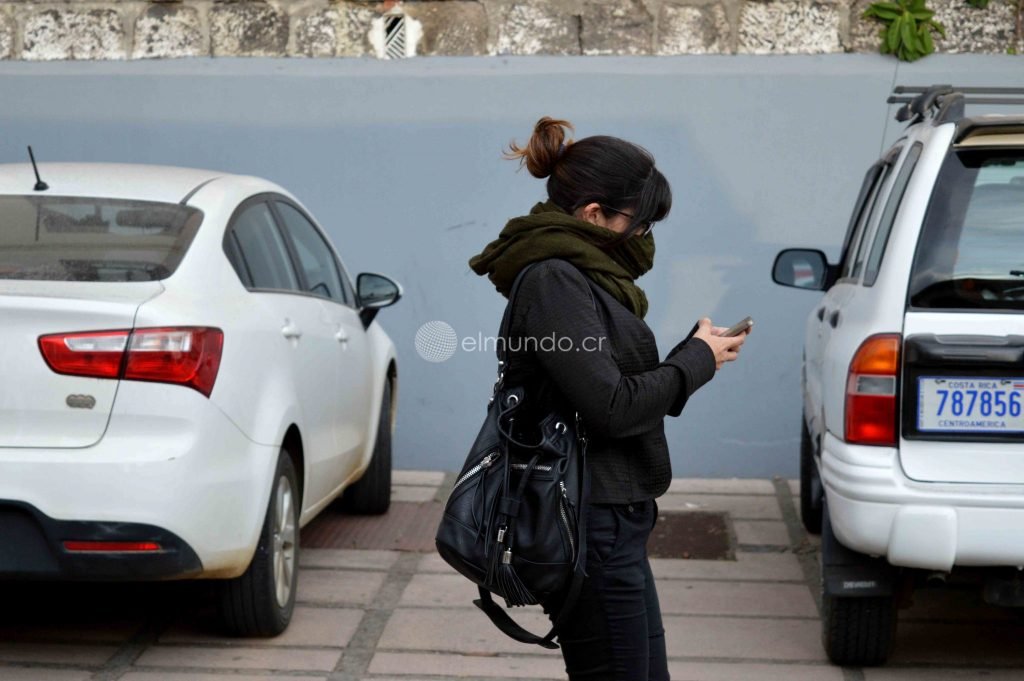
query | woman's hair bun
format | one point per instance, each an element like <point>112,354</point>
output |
<point>546,146</point>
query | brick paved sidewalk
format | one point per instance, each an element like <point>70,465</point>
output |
<point>400,614</point>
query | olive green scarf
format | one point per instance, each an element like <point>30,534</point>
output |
<point>550,232</point>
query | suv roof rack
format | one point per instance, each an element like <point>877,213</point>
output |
<point>947,101</point>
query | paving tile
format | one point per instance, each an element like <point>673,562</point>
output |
<point>439,590</point>
<point>966,644</point>
<point>737,638</point>
<point>192,676</point>
<point>413,493</point>
<point>736,598</point>
<point>432,562</point>
<point>549,666</point>
<point>353,559</point>
<point>894,673</point>
<point>758,566</point>
<point>417,478</point>
<point>277,659</point>
<point>327,627</point>
<point>337,587</point>
<point>21,674</point>
<point>746,671</point>
<point>46,653</point>
<point>721,486</point>
<point>761,532</point>
<point>794,487</point>
<point>753,506</point>
<point>455,630</point>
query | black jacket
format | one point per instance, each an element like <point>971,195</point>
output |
<point>607,369</point>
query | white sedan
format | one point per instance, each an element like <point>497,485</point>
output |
<point>187,377</point>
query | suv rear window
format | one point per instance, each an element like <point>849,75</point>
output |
<point>970,254</point>
<point>56,238</point>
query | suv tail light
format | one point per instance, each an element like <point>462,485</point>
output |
<point>188,356</point>
<point>871,406</point>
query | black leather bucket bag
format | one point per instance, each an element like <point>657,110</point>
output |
<point>514,522</point>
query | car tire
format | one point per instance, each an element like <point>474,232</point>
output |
<point>371,494</point>
<point>260,602</point>
<point>856,631</point>
<point>811,492</point>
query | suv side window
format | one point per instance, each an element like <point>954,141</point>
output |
<point>260,256</point>
<point>899,188</point>
<point>314,256</point>
<point>872,179</point>
<point>871,212</point>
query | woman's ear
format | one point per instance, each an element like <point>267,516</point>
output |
<point>592,213</point>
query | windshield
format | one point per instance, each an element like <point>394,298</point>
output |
<point>971,251</point>
<point>56,238</point>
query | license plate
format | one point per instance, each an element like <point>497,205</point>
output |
<point>970,405</point>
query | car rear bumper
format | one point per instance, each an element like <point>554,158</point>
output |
<point>184,469</point>
<point>33,547</point>
<point>875,509</point>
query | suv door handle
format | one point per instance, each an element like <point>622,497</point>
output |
<point>834,319</point>
<point>821,313</point>
<point>341,336</point>
<point>289,330</point>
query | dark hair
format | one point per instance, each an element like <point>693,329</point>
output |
<point>597,169</point>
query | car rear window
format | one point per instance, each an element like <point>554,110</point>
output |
<point>56,238</point>
<point>970,253</point>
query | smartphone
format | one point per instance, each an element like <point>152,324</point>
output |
<point>745,325</point>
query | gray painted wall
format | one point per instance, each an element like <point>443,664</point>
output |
<point>401,163</point>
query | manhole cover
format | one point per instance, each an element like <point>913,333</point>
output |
<point>699,535</point>
<point>405,527</point>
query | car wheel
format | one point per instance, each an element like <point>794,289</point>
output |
<point>261,601</point>
<point>856,631</point>
<point>810,483</point>
<point>371,494</point>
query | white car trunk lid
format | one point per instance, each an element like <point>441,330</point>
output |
<point>38,407</point>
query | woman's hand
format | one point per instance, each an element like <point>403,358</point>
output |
<point>725,349</point>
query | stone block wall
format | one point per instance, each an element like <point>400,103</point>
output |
<point>136,29</point>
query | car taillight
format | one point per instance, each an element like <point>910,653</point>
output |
<point>188,356</point>
<point>871,406</point>
<point>111,546</point>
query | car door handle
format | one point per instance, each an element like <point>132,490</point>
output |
<point>342,336</point>
<point>821,313</point>
<point>834,319</point>
<point>290,331</point>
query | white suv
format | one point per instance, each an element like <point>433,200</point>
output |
<point>912,448</point>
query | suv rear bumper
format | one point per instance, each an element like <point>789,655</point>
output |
<point>875,509</point>
<point>33,548</point>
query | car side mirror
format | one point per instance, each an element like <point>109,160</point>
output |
<point>803,268</point>
<point>375,291</point>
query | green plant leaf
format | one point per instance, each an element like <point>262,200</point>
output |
<point>926,39</point>
<point>887,14</point>
<point>907,34</point>
<point>917,5</point>
<point>923,15</point>
<point>939,28</point>
<point>892,36</point>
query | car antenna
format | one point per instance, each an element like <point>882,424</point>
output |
<point>40,185</point>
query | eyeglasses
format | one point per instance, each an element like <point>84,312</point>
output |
<point>644,229</point>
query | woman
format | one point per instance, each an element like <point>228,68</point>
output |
<point>592,239</point>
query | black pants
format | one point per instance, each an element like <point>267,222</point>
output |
<point>615,632</point>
